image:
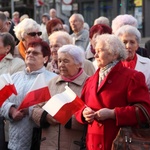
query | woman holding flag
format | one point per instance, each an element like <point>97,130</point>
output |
<point>56,135</point>
<point>17,109</point>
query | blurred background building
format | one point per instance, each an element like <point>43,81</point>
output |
<point>90,9</point>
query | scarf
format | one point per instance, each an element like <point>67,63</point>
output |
<point>2,56</point>
<point>130,64</point>
<point>105,70</point>
<point>74,77</point>
<point>21,49</point>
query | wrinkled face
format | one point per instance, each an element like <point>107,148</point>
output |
<point>76,24</point>
<point>131,44</point>
<point>34,58</point>
<point>102,55</point>
<point>3,50</point>
<point>67,66</point>
<point>55,44</point>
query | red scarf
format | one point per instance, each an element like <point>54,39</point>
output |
<point>2,56</point>
<point>130,64</point>
<point>74,77</point>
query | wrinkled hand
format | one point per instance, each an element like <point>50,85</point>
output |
<point>16,114</point>
<point>104,114</point>
<point>88,114</point>
<point>51,120</point>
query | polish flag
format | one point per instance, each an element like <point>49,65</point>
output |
<point>7,88</point>
<point>38,93</point>
<point>62,106</point>
<point>39,2</point>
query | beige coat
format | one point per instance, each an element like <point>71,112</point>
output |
<point>67,136</point>
<point>9,64</point>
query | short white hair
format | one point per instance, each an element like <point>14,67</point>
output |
<point>25,26</point>
<point>79,16</point>
<point>113,44</point>
<point>130,30</point>
<point>61,35</point>
<point>102,20</point>
<point>75,52</point>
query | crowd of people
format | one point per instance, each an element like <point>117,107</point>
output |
<point>104,65</point>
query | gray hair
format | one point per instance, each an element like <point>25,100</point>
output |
<point>75,52</point>
<point>25,26</point>
<point>122,20</point>
<point>113,44</point>
<point>102,20</point>
<point>130,30</point>
<point>79,16</point>
<point>62,35</point>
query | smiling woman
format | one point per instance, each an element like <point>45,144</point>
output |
<point>36,58</point>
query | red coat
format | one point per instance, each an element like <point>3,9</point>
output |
<point>121,88</point>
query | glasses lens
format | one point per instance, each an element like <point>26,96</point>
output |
<point>35,33</point>
<point>33,53</point>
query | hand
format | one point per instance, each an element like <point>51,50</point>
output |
<point>25,111</point>
<point>104,114</point>
<point>15,114</point>
<point>88,114</point>
<point>51,120</point>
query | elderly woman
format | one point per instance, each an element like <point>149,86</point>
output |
<point>131,37</point>
<point>57,40</point>
<point>26,31</point>
<point>54,25</point>
<point>94,32</point>
<point>127,19</point>
<point>110,93</point>
<point>9,64</point>
<point>57,136</point>
<point>21,126</point>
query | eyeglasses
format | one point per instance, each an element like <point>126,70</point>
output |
<point>35,33</point>
<point>33,53</point>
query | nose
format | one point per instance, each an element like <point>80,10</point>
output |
<point>128,45</point>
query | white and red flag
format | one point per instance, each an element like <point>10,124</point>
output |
<point>62,106</point>
<point>38,93</point>
<point>7,88</point>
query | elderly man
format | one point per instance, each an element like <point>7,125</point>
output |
<point>80,35</point>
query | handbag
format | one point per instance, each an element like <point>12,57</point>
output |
<point>132,138</point>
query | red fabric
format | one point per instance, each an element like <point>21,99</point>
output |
<point>6,92</point>
<point>130,64</point>
<point>2,56</point>
<point>120,88</point>
<point>74,77</point>
<point>35,97</point>
<point>65,113</point>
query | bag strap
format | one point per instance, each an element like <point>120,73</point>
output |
<point>145,112</point>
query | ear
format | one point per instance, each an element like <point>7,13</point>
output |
<point>45,59</point>
<point>8,47</point>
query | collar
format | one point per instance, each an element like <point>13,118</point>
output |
<point>7,57</point>
<point>35,72</point>
<point>78,81</point>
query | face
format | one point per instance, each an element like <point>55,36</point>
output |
<point>44,20</point>
<point>102,55</point>
<point>76,24</point>
<point>55,44</point>
<point>3,50</point>
<point>53,14</point>
<point>4,26</point>
<point>32,36</point>
<point>58,27</point>
<point>34,58</point>
<point>131,44</point>
<point>66,65</point>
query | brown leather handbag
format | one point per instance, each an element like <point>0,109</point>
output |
<point>131,138</point>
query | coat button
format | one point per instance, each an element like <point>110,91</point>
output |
<point>109,81</point>
<point>100,146</point>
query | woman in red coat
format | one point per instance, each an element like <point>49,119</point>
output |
<point>109,95</point>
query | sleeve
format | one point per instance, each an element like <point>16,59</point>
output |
<point>137,92</point>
